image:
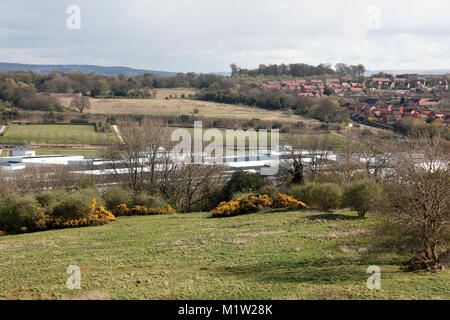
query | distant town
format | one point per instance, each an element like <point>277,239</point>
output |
<point>382,100</point>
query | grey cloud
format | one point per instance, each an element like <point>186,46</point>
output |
<point>208,35</point>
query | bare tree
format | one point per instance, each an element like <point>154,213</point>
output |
<point>80,103</point>
<point>318,149</point>
<point>314,148</point>
<point>348,166</point>
<point>291,170</point>
<point>375,155</point>
<point>419,200</point>
<point>136,160</point>
<point>192,179</point>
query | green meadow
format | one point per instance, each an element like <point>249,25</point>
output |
<point>280,255</point>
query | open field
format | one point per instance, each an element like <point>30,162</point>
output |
<point>65,134</point>
<point>335,140</point>
<point>81,139</point>
<point>284,255</point>
<point>177,107</point>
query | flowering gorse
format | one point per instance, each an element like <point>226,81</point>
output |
<point>255,203</point>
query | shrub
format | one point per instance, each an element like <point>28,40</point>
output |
<point>271,191</point>
<point>250,204</point>
<point>146,200</point>
<point>299,192</point>
<point>74,206</point>
<point>282,201</point>
<point>76,213</point>
<point>51,210</point>
<point>18,213</point>
<point>243,181</point>
<point>324,196</point>
<point>49,199</point>
<point>115,196</point>
<point>255,203</point>
<point>123,210</point>
<point>241,195</point>
<point>212,196</point>
<point>362,196</point>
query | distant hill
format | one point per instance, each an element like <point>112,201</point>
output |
<point>108,71</point>
<point>422,72</point>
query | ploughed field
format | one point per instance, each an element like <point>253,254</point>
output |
<point>282,255</point>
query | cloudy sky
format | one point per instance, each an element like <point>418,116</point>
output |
<point>209,35</point>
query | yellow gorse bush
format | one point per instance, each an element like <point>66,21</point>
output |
<point>284,201</point>
<point>92,215</point>
<point>123,210</point>
<point>255,203</point>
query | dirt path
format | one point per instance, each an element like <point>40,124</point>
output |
<point>117,131</point>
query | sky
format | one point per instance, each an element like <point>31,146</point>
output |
<point>209,35</point>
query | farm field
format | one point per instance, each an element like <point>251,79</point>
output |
<point>283,255</point>
<point>64,134</point>
<point>178,107</point>
<point>335,140</point>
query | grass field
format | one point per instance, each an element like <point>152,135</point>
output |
<point>335,140</point>
<point>284,255</point>
<point>177,107</point>
<point>67,134</point>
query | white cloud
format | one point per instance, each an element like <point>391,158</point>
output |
<point>208,35</point>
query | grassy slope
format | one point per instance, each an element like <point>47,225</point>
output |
<point>262,256</point>
<point>177,107</point>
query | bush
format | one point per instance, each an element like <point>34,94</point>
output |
<point>75,212</point>
<point>117,195</point>
<point>241,195</point>
<point>74,206</point>
<point>255,203</point>
<point>212,197</point>
<point>283,201</point>
<point>51,210</point>
<point>298,192</point>
<point>243,182</point>
<point>250,204</point>
<point>362,196</point>
<point>271,191</point>
<point>324,196</point>
<point>18,213</point>
<point>123,210</point>
<point>49,199</point>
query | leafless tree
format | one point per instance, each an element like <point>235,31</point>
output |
<point>193,178</point>
<point>348,167</point>
<point>375,155</point>
<point>136,160</point>
<point>315,147</point>
<point>418,206</point>
<point>80,103</point>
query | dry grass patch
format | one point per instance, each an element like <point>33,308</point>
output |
<point>177,107</point>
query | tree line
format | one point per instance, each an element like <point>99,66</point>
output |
<point>31,91</point>
<point>326,109</point>
<point>300,70</point>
